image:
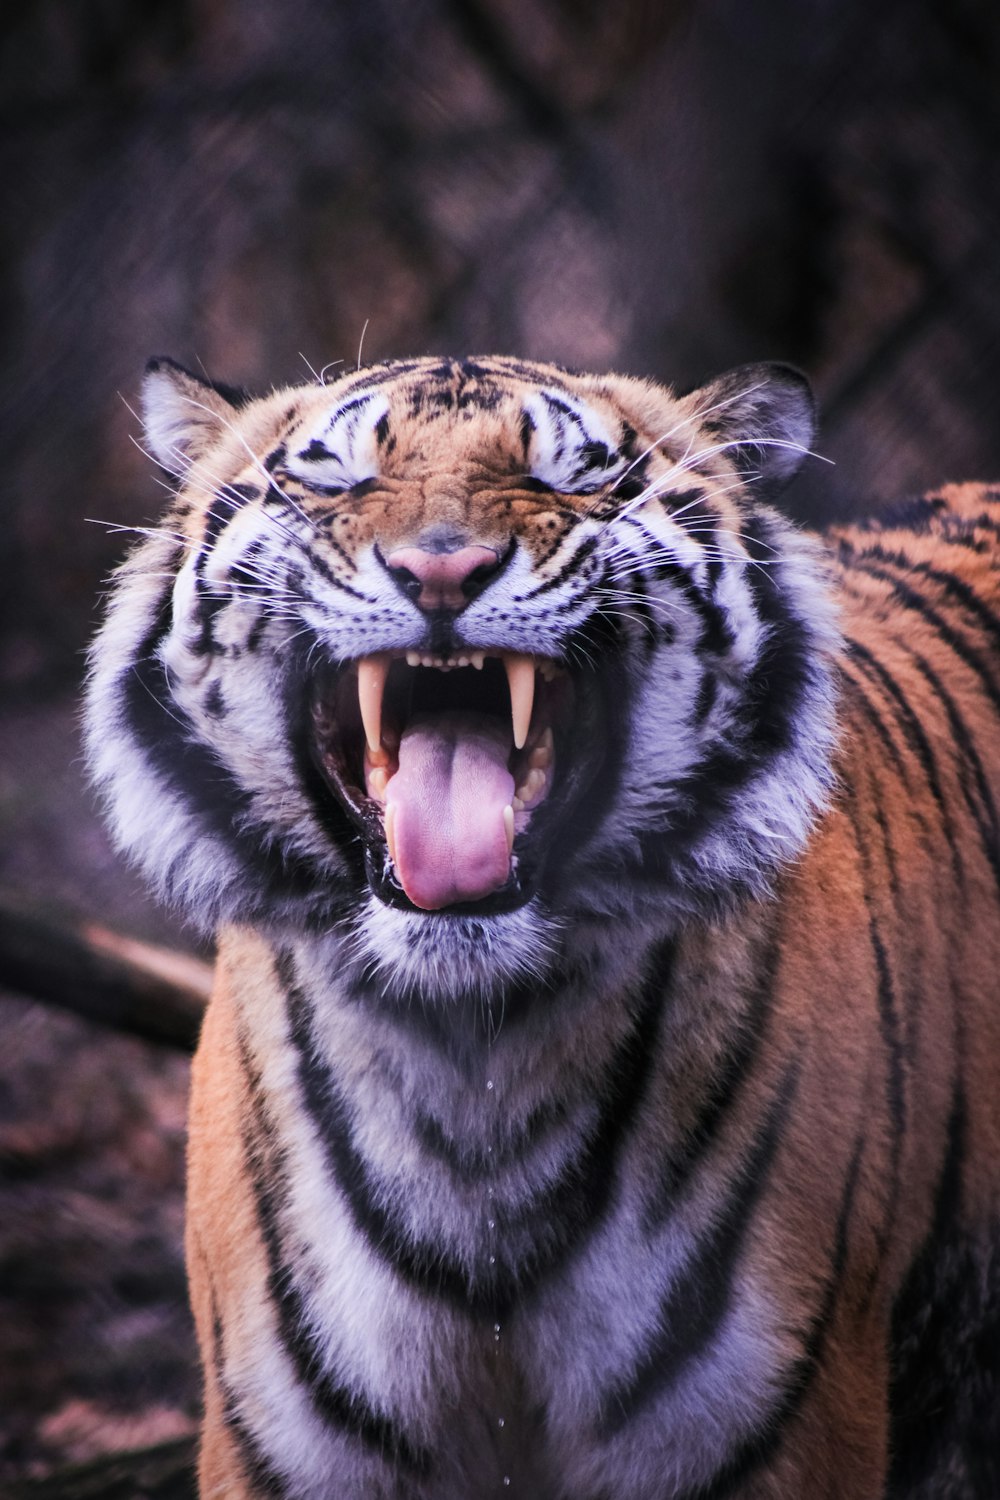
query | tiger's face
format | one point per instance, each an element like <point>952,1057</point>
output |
<point>456,652</point>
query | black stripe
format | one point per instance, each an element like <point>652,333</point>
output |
<point>339,1406</point>
<point>916,738</point>
<point>877,812</point>
<point>856,691</point>
<point>771,704</point>
<point>628,487</point>
<point>950,583</point>
<point>927,1328</point>
<point>889,1030</point>
<point>968,762</point>
<point>716,636</point>
<point>261,1476</point>
<point>656,630</point>
<point>697,1303</point>
<point>542,1235</point>
<point>464,1024</point>
<point>730,1072</point>
<point>568,569</point>
<point>192,772</point>
<point>209,599</point>
<point>787,664</point>
<point>326,572</point>
<point>795,1381</point>
<point>912,600</point>
<point>471,1161</point>
<point>327,523</point>
<point>708,691</point>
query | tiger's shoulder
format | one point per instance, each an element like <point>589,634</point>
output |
<point>949,534</point>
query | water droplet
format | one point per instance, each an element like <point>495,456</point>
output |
<point>496,1327</point>
<point>489,1084</point>
<point>501,1422</point>
<point>506,1480</point>
<point>491,1223</point>
<point>493,1260</point>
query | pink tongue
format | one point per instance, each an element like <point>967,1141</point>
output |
<point>446,806</point>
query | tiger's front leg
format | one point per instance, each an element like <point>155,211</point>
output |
<point>277,1421</point>
<point>342,1383</point>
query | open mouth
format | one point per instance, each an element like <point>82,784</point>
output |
<point>443,763</point>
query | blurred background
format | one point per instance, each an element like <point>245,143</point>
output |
<point>665,187</point>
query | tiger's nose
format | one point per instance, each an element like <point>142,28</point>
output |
<point>443,580</point>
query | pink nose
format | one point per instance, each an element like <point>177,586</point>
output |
<point>434,580</point>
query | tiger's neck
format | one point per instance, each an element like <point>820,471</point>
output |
<point>472,1148</point>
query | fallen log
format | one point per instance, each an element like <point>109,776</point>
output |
<point>165,1472</point>
<point>79,964</point>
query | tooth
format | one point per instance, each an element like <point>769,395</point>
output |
<point>517,804</point>
<point>542,751</point>
<point>477,658</point>
<point>548,669</point>
<point>372,672</point>
<point>508,827</point>
<point>531,787</point>
<point>389,821</point>
<point>521,680</point>
<point>413,658</point>
<point>378,780</point>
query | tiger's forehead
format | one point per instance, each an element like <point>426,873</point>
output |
<point>458,421</point>
<point>461,398</point>
<point>432,390</point>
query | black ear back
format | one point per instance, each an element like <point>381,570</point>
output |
<point>765,415</point>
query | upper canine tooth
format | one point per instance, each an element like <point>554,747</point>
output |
<point>521,680</point>
<point>372,672</point>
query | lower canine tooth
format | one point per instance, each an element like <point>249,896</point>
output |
<point>372,672</point>
<point>378,780</point>
<point>508,827</point>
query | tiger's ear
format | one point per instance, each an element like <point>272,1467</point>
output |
<point>184,415</point>
<point>765,414</point>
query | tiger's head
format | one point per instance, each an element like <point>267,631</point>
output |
<point>462,653</point>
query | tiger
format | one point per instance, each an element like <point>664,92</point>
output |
<point>598,1095</point>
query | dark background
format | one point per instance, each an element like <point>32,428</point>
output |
<point>666,189</point>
